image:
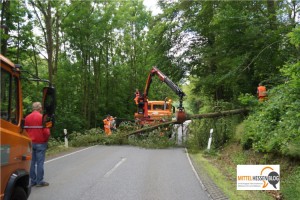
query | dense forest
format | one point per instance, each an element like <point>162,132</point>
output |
<point>96,53</point>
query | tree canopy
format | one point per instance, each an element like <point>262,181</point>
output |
<point>98,52</point>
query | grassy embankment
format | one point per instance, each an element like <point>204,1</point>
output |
<point>221,167</point>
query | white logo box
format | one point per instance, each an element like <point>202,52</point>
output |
<point>258,177</point>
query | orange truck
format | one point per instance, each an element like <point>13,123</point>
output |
<point>151,112</point>
<point>159,111</point>
<point>15,143</point>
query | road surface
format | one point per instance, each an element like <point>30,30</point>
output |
<point>121,173</point>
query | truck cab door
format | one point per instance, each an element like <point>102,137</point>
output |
<point>49,105</point>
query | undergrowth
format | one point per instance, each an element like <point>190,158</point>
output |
<point>159,138</point>
<point>233,154</point>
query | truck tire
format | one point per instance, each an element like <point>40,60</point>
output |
<point>19,194</point>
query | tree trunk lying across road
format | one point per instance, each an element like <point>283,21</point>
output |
<point>191,117</point>
<point>218,114</point>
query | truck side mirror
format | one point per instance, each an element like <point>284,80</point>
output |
<point>49,104</point>
<point>173,109</point>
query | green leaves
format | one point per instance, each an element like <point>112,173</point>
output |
<point>295,36</point>
<point>274,124</point>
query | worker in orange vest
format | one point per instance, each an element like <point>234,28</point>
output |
<point>112,123</point>
<point>261,93</point>
<point>137,95</point>
<point>139,100</point>
<point>107,122</point>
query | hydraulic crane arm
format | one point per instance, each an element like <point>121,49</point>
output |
<point>166,80</point>
<point>142,100</point>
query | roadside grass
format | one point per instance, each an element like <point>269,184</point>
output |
<point>225,180</point>
<point>55,146</point>
<point>290,184</point>
<point>221,166</point>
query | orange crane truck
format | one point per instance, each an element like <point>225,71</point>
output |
<point>15,142</point>
<point>149,112</point>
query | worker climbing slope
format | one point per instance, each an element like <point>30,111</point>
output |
<point>261,92</point>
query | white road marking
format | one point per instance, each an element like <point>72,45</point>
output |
<point>194,170</point>
<point>68,154</point>
<point>114,168</point>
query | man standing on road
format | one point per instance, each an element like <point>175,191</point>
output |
<point>39,137</point>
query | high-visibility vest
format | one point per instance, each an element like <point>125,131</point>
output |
<point>262,91</point>
<point>106,123</point>
<point>137,95</point>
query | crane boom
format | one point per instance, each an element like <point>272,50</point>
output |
<point>165,79</point>
<point>144,98</point>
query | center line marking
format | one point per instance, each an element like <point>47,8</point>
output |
<point>115,167</point>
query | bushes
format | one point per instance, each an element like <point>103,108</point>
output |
<point>274,124</point>
<point>55,146</point>
<point>154,139</point>
<point>95,136</point>
<point>199,131</point>
<point>224,129</point>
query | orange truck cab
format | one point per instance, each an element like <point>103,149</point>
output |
<point>158,111</point>
<point>15,143</point>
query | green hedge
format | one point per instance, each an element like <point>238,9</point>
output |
<point>274,126</point>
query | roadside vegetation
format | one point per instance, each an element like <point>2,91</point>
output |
<point>220,164</point>
<point>159,138</point>
<point>270,134</point>
<point>97,53</point>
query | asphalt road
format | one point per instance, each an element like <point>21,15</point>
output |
<point>120,173</point>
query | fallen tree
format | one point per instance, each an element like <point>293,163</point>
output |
<point>218,114</point>
<point>191,117</point>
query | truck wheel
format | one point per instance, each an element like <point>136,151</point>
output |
<point>19,194</point>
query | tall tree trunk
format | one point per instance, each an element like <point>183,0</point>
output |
<point>272,14</point>
<point>5,20</point>
<point>47,19</point>
<point>49,40</point>
<point>107,72</point>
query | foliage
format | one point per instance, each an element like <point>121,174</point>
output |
<point>55,146</point>
<point>93,137</point>
<point>248,100</point>
<point>155,139</point>
<point>97,53</point>
<point>233,45</point>
<point>223,129</point>
<point>274,126</point>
